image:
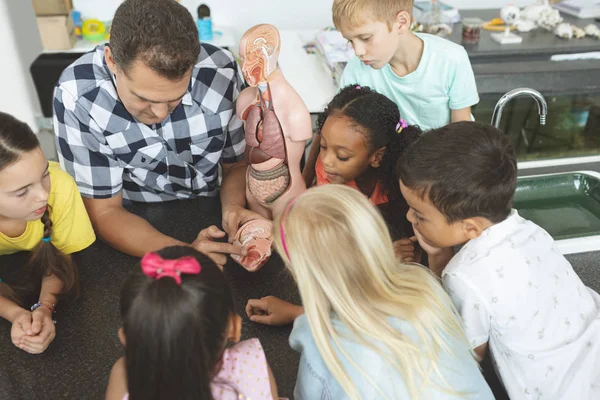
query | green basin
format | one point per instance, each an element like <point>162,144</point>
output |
<point>566,205</point>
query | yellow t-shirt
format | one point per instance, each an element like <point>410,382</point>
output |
<point>71,227</point>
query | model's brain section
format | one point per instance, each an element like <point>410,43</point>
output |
<point>262,45</point>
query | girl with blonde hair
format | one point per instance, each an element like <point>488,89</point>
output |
<point>371,327</point>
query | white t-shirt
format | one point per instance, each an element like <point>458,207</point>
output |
<point>515,291</point>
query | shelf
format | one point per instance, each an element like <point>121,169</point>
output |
<point>223,37</point>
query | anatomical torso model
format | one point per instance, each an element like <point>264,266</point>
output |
<point>277,125</point>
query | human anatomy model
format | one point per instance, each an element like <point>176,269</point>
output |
<point>277,125</point>
<point>255,236</point>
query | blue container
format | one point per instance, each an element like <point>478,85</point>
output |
<point>205,30</point>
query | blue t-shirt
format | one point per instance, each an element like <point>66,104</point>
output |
<point>443,81</point>
<point>314,381</point>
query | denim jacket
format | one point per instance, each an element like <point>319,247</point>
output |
<point>315,382</point>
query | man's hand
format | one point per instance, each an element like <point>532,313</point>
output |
<point>272,311</point>
<point>217,251</point>
<point>234,217</point>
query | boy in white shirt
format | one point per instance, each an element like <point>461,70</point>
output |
<point>515,292</point>
<point>429,78</point>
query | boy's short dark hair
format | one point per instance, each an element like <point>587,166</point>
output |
<point>160,33</point>
<point>466,169</point>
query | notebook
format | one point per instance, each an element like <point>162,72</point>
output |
<point>579,8</point>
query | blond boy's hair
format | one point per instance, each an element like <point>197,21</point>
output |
<point>338,249</point>
<point>353,13</point>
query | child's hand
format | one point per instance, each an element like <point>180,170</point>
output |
<point>405,249</point>
<point>438,256</point>
<point>41,332</point>
<point>20,325</point>
<point>429,249</point>
<point>272,311</point>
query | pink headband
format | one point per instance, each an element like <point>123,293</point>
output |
<point>281,230</point>
<point>154,266</point>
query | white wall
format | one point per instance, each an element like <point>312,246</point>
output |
<point>285,14</point>
<point>20,44</point>
<point>238,14</point>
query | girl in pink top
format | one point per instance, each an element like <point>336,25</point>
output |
<point>178,318</point>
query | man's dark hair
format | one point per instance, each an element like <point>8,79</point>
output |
<point>466,169</point>
<point>160,33</point>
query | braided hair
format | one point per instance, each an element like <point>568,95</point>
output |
<point>379,117</point>
<point>16,138</point>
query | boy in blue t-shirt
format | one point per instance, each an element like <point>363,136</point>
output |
<point>429,78</point>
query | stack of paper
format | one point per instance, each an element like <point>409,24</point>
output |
<point>333,47</point>
<point>579,8</point>
<point>335,51</point>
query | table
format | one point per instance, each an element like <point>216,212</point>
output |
<point>77,364</point>
<point>498,68</point>
<point>538,44</point>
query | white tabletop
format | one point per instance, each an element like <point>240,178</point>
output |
<point>305,72</point>
<point>222,37</point>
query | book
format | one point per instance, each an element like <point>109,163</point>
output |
<point>579,8</point>
<point>333,47</point>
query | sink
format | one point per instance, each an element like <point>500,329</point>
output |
<point>566,205</point>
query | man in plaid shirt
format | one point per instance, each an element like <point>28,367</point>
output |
<point>148,118</point>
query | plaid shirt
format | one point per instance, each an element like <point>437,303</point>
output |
<point>107,150</point>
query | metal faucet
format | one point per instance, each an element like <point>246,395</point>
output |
<point>537,96</point>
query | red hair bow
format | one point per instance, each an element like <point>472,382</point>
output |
<point>154,266</point>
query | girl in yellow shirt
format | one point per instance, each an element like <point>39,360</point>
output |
<point>41,211</point>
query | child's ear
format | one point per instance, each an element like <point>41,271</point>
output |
<point>403,21</point>
<point>377,157</point>
<point>121,334</point>
<point>474,227</point>
<point>234,330</point>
